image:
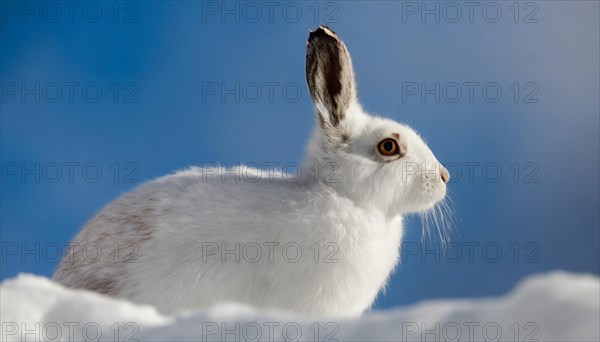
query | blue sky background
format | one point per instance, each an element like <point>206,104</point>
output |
<point>163,54</point>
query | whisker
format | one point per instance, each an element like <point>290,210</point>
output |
<point>443,218</point>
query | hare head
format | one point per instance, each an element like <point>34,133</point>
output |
<point>376,162</point>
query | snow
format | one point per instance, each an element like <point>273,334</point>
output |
<point>556,306</point>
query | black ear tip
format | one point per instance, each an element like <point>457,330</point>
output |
<point>322,31</point>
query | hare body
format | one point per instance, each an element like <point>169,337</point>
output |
<point>186,241</point>
<point>321,242</point>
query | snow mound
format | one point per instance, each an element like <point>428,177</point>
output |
<point>556,306</point>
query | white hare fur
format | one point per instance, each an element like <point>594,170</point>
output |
<point>323,244</point>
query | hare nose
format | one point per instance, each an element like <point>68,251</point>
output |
<point>445,175</point>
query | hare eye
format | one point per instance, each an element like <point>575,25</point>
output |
<point>388,147</point>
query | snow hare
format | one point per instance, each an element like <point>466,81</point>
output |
<point>323,242</point>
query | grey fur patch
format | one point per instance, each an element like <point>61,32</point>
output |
<point>118,234</point>
<point>106,286</point>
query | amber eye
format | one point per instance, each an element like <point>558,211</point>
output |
<point>388,147</point>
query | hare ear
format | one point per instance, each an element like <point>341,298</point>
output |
<point>330,76</point>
